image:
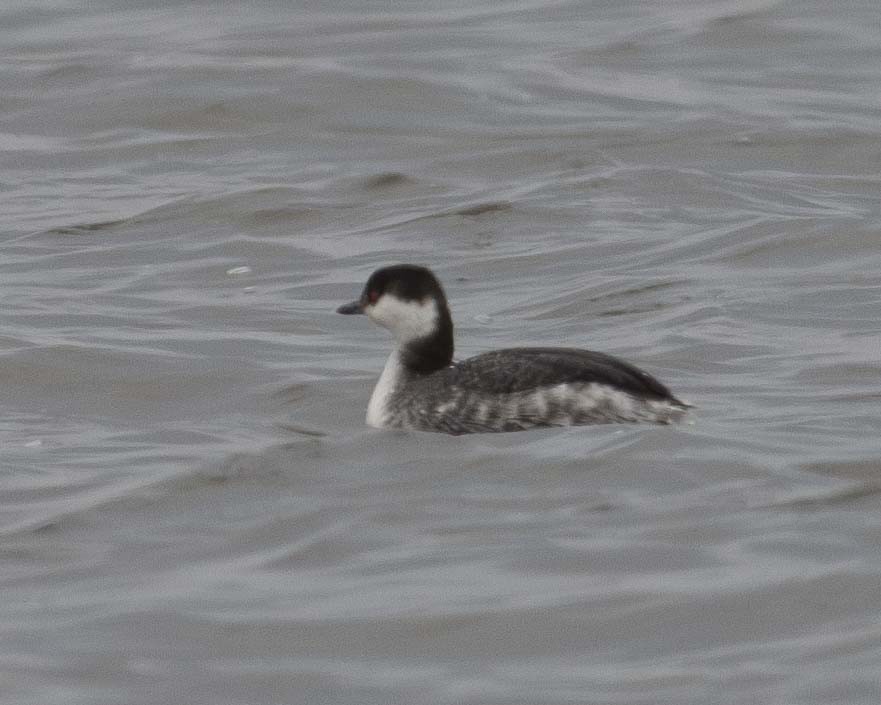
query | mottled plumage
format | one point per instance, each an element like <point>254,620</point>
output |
<point>504,390</point>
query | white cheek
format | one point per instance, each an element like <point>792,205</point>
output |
<point>407,320</point>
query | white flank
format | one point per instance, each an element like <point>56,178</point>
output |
<point>377,409</point>
<point>563,393</point>
<point>445,407</point>
<point>407,320</point>
<point>540,403</point>
<point>620,402</point>
<point>665,412</point>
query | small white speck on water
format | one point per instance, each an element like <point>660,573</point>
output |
<point>483,318</point>
<point>238,271</point>
<point>249,289</point>
<point>36,443</point>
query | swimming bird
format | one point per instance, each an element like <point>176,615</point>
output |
<point>514,389</point>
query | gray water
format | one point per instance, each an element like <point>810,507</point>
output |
<point>191,507</point>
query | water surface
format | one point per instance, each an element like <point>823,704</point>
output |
<point>191,508</point>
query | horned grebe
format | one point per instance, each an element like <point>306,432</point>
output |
<point>505,390</point>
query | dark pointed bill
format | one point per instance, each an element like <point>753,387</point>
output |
<point>354,307</point>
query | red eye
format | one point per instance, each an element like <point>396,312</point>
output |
<point>373,296</point>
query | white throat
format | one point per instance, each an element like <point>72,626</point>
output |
<point>407,320</point>
<point>378,407</point>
